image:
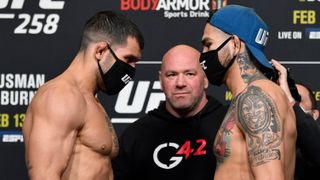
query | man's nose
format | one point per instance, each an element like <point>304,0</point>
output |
<point>133,64</point>
<point>181,81</point>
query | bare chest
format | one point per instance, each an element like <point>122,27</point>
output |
<point>229,139</point>
<point>222,144</point>
<point>98,133</point>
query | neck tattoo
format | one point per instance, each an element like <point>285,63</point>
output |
<point>248,70</point>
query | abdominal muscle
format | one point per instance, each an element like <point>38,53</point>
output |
<point>231,170</point>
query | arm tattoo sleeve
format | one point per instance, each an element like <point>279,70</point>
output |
<point>259,120</point>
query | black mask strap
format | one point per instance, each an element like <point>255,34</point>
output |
<point>112,52</point>
<point>224,43</point>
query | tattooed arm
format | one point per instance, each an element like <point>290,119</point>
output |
<point>259,120</point>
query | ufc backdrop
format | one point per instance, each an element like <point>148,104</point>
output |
<point>38,40</point>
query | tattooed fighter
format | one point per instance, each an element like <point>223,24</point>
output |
<point>257,137</point>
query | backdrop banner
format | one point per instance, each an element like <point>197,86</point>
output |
<point>38,40</point>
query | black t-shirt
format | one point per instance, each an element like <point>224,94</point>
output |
<point>160,146</point>
<point>308,146</point>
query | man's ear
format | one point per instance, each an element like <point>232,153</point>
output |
<point>100,49</point>
<point>160,80</point>
<point>206,82</point>
<point>236,44</point>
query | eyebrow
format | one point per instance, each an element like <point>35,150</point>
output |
<point>205,40</point>
<point>175,71</point>
<point>133,57</point>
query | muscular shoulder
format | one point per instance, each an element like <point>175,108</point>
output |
<point>259,119</point>
<point>275,94</point>
<point>59,100</point>
<point>271,89</point>
<point>61,93</point>
<point>256,110</point>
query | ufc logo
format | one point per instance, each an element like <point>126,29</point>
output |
<point>43,4</point>
<point>204,67</point>
<point>262,37</point>
<point>126,79</point>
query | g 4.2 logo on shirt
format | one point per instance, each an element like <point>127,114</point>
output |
<point>183,152</point>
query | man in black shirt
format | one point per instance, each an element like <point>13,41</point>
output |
<point>308,102</point>
<point>175,140</point>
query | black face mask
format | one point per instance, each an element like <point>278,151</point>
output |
<point>117,76</point>
<point>211,65</point>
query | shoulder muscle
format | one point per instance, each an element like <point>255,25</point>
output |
<point>259,120</point>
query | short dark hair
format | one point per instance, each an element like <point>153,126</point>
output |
<point>111,26</point>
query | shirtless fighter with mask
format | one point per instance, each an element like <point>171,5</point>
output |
<point>67,133</point>
<point>257,137</point>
